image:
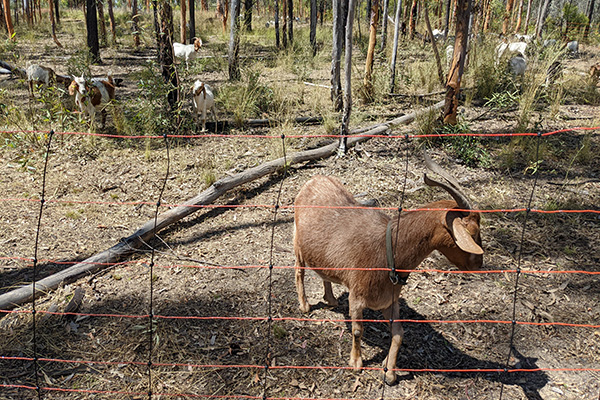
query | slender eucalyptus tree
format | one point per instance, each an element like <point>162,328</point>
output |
<point>395,49</point>
<point>313,26</point>
<point>234,42</point>
<point>348,77</point>
<point>91,23</point>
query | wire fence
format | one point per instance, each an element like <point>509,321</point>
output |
<point>267,365</point>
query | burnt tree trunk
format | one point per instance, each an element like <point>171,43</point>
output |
<point>284,27</point>
<point>463,11</point>
<point>52,23</point>
<point>192,13</point>
<point>100,6</point>
<point>277,39</point>
<point>313,26</point>
<point>165,52</point>
<point>348,77</point>
<point>56,12</point>
<point>586,32</point>
<point>291,20</point>
<point>234,42</point>
<point>91,23</point>
<point>336,56</point>
<point>111,19</point>
<point>248,5</point>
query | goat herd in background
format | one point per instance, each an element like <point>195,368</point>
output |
<point>92,95</point>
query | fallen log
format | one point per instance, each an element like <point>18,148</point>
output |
<point>139,238</point>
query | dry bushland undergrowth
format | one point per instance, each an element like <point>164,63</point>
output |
<point>96,186</point>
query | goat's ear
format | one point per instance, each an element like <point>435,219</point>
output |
<point>72,88</point>
<point>463,238</point>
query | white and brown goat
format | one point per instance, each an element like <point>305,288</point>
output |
<point>93,95</point>
<point>203,99</point>
<point>187,52</point>
<point>342,243</point>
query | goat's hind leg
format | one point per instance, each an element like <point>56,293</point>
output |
<point>304,306</point>
<point>393,312</point>
<point>328,295</point>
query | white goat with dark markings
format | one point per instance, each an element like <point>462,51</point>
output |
<point>203,99</point>
<point>342,241</point>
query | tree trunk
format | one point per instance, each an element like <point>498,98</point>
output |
<point>204,5</point>
<point>348,78</point>
<point>384,21</point>
<point>277,41</point>
<point>336,56</point>
<point>192,13</point>
<point>447,21</point>
<point>165,52</point>
<point>586,32</point>
<point>248,15</point>
<point>527,16</point>
<point>507,13</point>
<point>111,18</point>
<point>520,14</point>
<point>313,26</point>
<point>52,23</point>
<point>542,18</point>
<point>134,23</point>
<point>91,23</point>
<point>291,22</point>
<point>463,11</point>
<point>412,21</point>
<point>100,6</point>
<point>434,44</point>
<point>182,27</point>
<point>56,12</point>
<point>368,81</point>
<point>234,42</point>
<point>284,27</point>
<point>395,48</point>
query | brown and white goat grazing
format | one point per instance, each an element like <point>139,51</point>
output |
<point>343,243</point>
<point>203,99</point>
<point>595,73</point>
<point>91,96</point>
<point>37,74</point>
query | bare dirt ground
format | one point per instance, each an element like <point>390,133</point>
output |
<point>99,190</point>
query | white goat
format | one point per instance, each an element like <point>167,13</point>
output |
<point>517,65</point>
<point>187,51</point>
<point>516,47</point>
<point>90,96</point>
<point>342,245</point>
<point>203,99</point>
<point>37,74</point>
<point>573,48</point>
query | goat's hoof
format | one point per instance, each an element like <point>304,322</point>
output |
<point>305,307</point>
<point>389,377</point>
<point>331,302</point>
<point>356,363</point>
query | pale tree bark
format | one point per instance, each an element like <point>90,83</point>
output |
<point>336,56</point>
<point>111,19</point>
<point>234,42</point>
<point>182,27</point>
<point>542,18</point>
<point>507,13</point>
<point>348,76</point>
<point>528,14</point>
<point>395,46</point>
<point>463,11</point>
<point>384,21</point>
<point>368,80</point>
<point>519,17</point>
<point>434,45</point>
<point>53,23</point>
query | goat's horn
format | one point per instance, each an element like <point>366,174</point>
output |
<point>451,187</point>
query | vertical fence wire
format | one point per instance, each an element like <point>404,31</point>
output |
<point>271,250</point>
<point>151,294</point>
<point>35,267</point>
<point>519,257</point>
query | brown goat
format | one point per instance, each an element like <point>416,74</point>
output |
<point>595,73</point>
<point>340,242</point>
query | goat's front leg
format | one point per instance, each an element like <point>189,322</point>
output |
<point>393,312</point>
<point>356,314</point>
<point>328,295</point>
<point>304,306</point>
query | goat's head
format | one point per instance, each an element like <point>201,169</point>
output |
<point>78,85</point>
<point>197,44</point>
<point>198,88</point>
<point>460,240</point>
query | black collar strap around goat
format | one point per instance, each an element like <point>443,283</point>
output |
<point>395,277</point>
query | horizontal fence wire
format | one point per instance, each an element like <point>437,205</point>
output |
<point>149,364</point>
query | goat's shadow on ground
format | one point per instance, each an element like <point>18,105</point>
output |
<point>424,347</point>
